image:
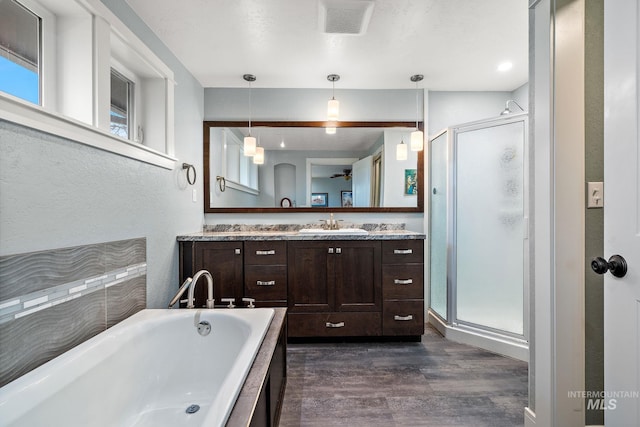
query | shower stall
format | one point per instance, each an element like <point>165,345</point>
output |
<point>478,230</point>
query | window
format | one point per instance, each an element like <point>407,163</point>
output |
<point>20,31</point>
<point>73,69</point>
<point>122,90</point>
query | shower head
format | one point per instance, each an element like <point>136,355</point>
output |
<point>507,110</point>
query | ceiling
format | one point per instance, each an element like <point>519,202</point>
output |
<point>455,44</point>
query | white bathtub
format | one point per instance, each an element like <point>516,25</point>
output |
<point>145,371</point>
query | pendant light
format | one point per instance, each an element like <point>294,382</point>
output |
<point>401,150</point>
<point>249,141</point>
<point>258,157</point>
<point>333,107</point>
<point>417,137</point>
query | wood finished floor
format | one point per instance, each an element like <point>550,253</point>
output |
<point>432,383</point>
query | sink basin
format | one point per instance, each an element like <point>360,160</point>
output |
<point>338,231</point>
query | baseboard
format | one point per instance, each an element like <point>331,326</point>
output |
<point>504,346</point>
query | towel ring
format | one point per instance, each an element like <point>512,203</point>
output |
<point>190,168</point>
<point>222,183</point>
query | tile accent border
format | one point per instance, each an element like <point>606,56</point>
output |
<point>33,302</point>
<point>52,301</point>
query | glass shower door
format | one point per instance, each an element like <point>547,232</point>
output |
<point>438,225</point>
<point>489,226</point>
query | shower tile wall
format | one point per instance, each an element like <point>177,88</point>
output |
<point>51,301</point>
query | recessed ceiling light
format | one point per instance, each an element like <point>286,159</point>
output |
<point>505,66</point>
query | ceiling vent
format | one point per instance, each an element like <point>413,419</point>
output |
<point>344,16</point>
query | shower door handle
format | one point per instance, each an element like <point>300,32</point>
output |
<point>617,265</point>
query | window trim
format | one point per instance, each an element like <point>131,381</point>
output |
<point>45,117</point>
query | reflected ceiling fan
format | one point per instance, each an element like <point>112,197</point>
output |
<point>346,173</point>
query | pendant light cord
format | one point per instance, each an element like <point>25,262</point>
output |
<point>249,108</point>
<point>417,106</point>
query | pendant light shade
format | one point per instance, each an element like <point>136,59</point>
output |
<point>249,141</point>
<point>417,140</point>
<point>258,157</point>
<point>417,136</point>
<point>333,106</point>
<point>249,145</point>
<point>401,151</point>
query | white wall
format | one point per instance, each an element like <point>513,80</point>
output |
<point>56,193</point>
<point>454,108</point>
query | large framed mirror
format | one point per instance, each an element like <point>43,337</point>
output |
<point>308,169</point>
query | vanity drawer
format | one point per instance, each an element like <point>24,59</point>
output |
<point>403,318</point>
<point>403,281</point>
<point>334,324</point>
<point>265,282</point>
<point>257,252</point>
<point>402,251</point>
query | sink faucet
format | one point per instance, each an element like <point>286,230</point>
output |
<point>333,223</point>
<point>190,284</point>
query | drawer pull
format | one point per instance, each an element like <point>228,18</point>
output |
<point>268,252</point>
<point>403,318</point>
<point>402,251</point>
<point>403,281</point>
<point>269,283</point>
<point>335,325</point>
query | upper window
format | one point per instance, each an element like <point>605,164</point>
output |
<point>20,31</point>
<point>122,107</point>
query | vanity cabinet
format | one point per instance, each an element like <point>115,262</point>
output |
<point>335,288</point>
<point>252,269</point>
<point>332,288</point>
<point>223,260</point>
<point>403,287</point>
<point>265,272</point>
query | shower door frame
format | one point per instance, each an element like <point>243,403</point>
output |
<point>451,232</point>
<point>452,313</point>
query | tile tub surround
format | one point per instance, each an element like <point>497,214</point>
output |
<point>222,232</point>
<point>51,301</point>
<point>432,383</point>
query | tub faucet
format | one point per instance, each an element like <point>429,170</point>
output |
<point>192,287</point>
<point>190,284</point>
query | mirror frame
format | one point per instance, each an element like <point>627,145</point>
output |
<point>311,124</point>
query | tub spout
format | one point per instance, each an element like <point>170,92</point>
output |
<point>192,287</point>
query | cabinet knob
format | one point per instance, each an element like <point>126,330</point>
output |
<point>238,251</point>
<point>330,250</point>
<point>338,250</point>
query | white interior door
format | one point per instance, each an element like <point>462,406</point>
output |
<point>622,213</point>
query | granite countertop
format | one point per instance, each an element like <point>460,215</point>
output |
<point>291,232</point>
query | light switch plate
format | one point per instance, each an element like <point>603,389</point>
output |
<point>595,195</point>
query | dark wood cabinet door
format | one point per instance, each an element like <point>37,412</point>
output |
<point>310,281</point>
<point>357,275</point>
<point>224,261</point>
